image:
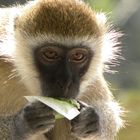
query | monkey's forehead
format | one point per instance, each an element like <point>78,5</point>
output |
<point>60,17</point>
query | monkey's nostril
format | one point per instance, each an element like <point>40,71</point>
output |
<point>64,85</point>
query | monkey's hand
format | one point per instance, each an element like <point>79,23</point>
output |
<point>33,119</point>
<point>85,124</point>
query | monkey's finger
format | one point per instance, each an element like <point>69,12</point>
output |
<point>82,105</point>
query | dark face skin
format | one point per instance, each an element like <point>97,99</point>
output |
<point>61,69</point>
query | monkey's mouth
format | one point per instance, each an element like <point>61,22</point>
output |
<point>61,95</point>
<point>55,92</point>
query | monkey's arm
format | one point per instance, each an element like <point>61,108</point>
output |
<point>101,120</point>
<point>8,129</point>
<point>5,128</point>
<point>29,123</point>
<point>11,101</point>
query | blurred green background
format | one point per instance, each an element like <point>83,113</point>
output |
<point>125,15</point>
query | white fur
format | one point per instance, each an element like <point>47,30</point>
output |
<point>6,47</point>
<point>101,19</point>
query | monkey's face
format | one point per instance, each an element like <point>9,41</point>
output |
<point>61,69</point>
<point>55,42</point>
<point>58,67</point>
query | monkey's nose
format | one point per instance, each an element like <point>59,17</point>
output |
<point>64,85</point>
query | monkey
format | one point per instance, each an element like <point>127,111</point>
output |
<point>59,49</point>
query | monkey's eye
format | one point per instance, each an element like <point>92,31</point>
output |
<point>50,54</point>
<point>78,55</point>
